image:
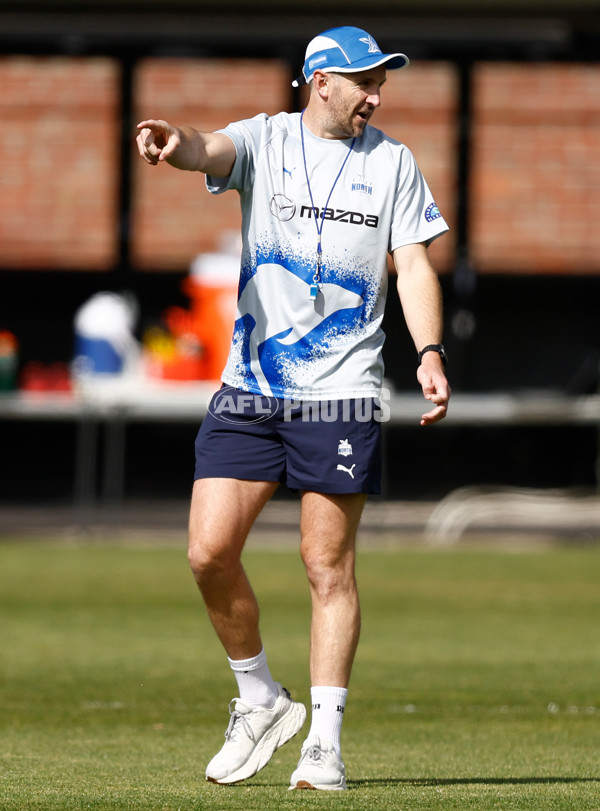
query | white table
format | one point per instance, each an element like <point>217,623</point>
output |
<point>117,403</point>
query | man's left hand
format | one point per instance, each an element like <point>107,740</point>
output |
<point>435,389</point>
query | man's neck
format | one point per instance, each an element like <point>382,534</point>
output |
<point>317,124</point>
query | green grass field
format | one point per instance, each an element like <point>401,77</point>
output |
<point>477,684</point>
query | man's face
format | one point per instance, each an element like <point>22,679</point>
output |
<point>353,98</point>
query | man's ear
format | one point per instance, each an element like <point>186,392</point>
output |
<point>321,82</point>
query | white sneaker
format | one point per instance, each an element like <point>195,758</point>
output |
<point>254,734</point>
<point>320,767</point>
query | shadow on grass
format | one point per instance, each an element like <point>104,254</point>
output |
<point>382,782</point>
<point>467,781</point>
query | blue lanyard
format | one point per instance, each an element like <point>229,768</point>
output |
<point>314,288</point>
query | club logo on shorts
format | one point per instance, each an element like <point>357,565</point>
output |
<point>344,448</point>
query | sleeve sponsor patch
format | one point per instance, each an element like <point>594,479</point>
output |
<point>432,212</point>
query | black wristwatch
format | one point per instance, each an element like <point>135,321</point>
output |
<point>439,348</point>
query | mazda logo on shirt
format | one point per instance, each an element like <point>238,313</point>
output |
<point>282,207</point>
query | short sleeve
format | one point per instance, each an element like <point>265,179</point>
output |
<point>246,136</point>
<point>416,217</point>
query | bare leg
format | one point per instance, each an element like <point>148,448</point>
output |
<point>221,515</point>
<point>328,526</point>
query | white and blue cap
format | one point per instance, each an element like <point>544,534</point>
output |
<point>345,50</point>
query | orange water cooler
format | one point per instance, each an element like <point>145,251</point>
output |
<point>196,342</point>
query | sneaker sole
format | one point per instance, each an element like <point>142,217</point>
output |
<point>304,784</point>
<point>280,733</point>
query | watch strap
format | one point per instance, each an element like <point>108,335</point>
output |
<point>439,348</point>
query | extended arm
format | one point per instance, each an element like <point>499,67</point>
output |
<point>421,300</point>
<point>186,148</point>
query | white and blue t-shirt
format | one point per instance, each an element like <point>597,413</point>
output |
<point>286,344</point>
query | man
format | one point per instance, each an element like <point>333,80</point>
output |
<point>324,197</point>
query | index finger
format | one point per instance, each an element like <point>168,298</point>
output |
<point>151,123</point>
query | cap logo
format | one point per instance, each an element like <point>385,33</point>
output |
<point>313,62</point>
<point>373,46</point>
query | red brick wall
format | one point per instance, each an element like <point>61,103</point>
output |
<point>58,184</point>
<point>535,204</point>
<point>174,217</point>
<point>536,169</point>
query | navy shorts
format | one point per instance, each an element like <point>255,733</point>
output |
<point>331,446</point>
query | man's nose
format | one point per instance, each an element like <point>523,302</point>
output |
<point>374,98</point>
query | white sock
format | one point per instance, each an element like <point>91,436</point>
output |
<point>255,683</point>
<point>328,705</point>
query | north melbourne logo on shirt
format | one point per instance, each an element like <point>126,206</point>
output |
<point>362,185</point>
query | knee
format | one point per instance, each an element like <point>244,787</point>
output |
<point>200,563</point>
<point>208,560</point>
<point>327,573</point>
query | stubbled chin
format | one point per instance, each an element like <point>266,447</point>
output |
<point>359,125</point>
